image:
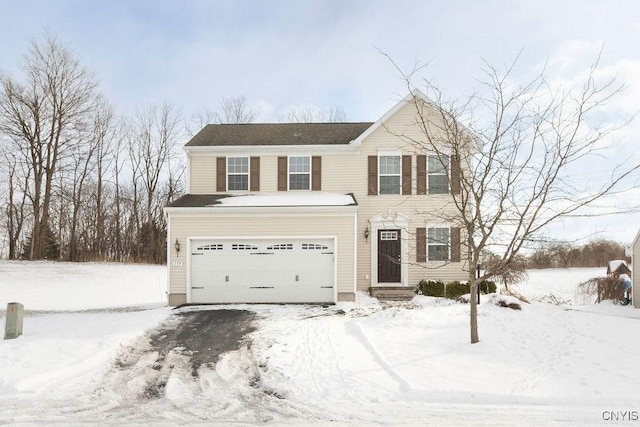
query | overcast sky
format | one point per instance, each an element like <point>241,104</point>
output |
<point>282,53</point>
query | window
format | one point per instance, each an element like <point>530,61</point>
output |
<point>438,174</point>
<point>313,246</point>
<point>281,247</point>
<point>300,173</point>
<point>243,247</point>
<point>438,244</point>
<point>388,235</point>
<point>389,174</point>
<point>238,173</point>
<point>212,247</point>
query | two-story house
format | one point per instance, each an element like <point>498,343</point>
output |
<point>312,212</point>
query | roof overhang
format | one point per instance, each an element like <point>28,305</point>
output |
<point>265,150</point>
<point>272,203</point>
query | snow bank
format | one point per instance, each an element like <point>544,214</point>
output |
<point>559,283</point>
<point>358,363</point>
<point>64,286</point>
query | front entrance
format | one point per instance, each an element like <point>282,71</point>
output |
<point>389,256</point>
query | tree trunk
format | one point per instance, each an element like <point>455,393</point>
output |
<point>473,302</point>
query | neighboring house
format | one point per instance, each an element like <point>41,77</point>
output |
<point>635,274</point>
<point>617,267</point>
<point>311,212</point>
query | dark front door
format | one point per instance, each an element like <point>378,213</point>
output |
<point>389,256</point>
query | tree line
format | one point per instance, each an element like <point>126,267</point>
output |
<point>596,253</point>
<point>80,182</point>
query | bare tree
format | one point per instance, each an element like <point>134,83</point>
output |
<point>16,203</point>
<point>311,114</point>
<point>103,136</point>
<point>116,233</point>
<point>153,146</point>
<point>235,109</point>
<point>511,274</point>
<point>231,110</point>
<point>86,158</point>
<point>199,119</point>
<point>41,114</point>
<point>511,151</point>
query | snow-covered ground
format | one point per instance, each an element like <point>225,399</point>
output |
<point>84,358</point>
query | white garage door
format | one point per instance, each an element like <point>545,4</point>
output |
<point>261,270</point>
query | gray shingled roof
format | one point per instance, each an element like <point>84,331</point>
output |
<point>278,134</point>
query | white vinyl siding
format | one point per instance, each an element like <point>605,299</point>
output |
<point>202,173</point>
<point>421,210</point>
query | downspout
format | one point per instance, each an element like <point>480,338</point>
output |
<point>355,253</point>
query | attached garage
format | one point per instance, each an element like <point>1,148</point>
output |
<point>263,248</point>
<point>262,270</point>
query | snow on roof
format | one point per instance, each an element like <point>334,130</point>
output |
<point>616,263</point>
<point>288,199</point>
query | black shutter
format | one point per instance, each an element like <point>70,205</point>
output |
<point>421,245</point>
<point>455,174</point>
<point>373,175</point>
<point>254,171</point>
<point>221,174</point>
<point>316,173</point>
<point>282,173</point>
<point>455,244</point>
<point>406,175</point>
<point>421,174</point>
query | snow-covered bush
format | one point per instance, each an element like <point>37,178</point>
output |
<point>507,302</point>
<point>603,288</point>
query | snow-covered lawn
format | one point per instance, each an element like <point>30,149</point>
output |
<point>84,358</point>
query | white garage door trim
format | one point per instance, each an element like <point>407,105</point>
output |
<point>290,283</point>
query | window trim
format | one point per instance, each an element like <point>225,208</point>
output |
<point>447,174</point>
<point>289,173</point>
<point>248,173</point>
<point>428,244</point>
<point>397,154</point>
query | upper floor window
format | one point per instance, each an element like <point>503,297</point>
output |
<point>238,173</point>
<point>438,174</point>
<point>438,244</point>
<point>389,172</point>
<point>299,173</point>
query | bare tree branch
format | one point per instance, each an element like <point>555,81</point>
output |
<point>517,147</point>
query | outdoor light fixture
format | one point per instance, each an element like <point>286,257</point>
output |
<point>366,234</point>
<point>177,246</point>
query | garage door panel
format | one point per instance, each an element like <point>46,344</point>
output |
<point>262,270</point>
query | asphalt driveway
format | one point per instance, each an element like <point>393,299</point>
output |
<point>203,335</point>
